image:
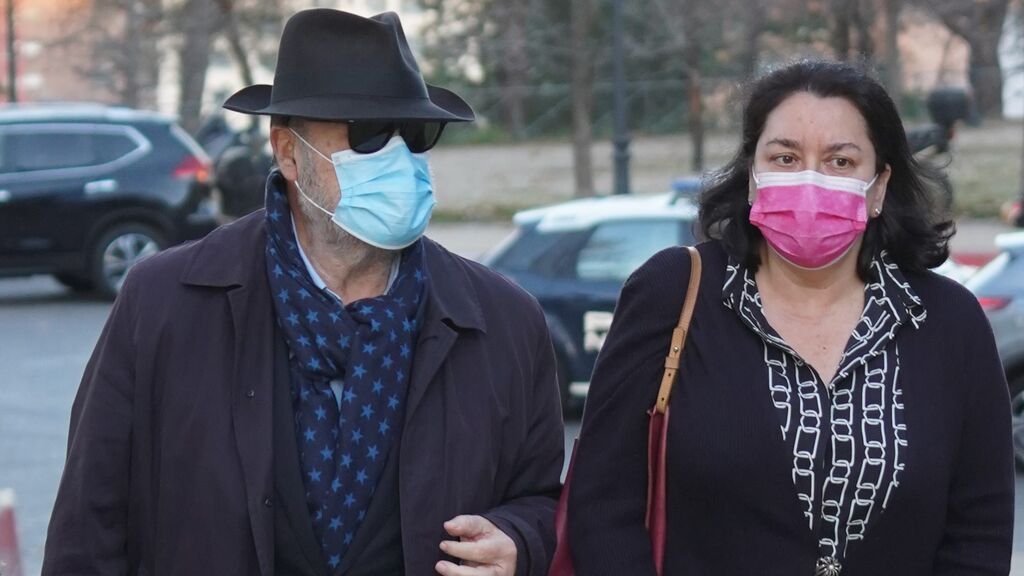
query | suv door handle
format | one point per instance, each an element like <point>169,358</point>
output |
<point>5,196</point>
<point>101,187</point>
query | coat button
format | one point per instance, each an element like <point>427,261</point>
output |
<point>250,394</point>
<point>268,502</point>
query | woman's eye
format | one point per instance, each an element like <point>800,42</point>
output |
<point>841,163</point>
<point>785,159</point>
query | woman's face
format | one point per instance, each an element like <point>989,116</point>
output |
<point>827,135</point>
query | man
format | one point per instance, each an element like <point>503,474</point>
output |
<point>316,389</point>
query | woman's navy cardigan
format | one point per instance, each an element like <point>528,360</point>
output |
<point>731,504</point>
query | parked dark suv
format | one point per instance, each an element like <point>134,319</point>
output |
<point>87,190</point>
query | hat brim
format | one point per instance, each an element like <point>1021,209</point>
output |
<point>442,106</point>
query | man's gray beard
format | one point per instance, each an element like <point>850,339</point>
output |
<point>340,243</point>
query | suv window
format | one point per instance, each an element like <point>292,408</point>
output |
<point>616,249</point>
<point>46,151</point>
<point>110,147</point>
<point>544,253</point>
<point>27,150</point>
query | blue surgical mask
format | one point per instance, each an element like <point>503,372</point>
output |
<point>386,197</point>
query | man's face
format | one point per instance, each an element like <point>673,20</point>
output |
<point>314,175</point>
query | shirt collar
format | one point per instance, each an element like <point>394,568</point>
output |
<point>890,302</point>
<point>319,282</point>
<point>887,282</point>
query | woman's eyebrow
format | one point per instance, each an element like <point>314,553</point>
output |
<point>840,145</point>
<point>784,142</point>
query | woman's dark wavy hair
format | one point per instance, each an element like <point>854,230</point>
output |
<point>914,227</point>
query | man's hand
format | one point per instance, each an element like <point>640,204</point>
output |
<point>483,548</point>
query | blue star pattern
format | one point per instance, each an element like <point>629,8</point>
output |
<point>343,442</point>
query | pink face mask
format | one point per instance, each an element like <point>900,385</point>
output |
<point>810,219</point>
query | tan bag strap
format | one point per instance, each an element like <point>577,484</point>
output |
<point>675,351</point>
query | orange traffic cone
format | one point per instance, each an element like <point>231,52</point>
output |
<point>10,557</point>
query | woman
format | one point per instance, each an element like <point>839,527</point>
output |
<point>840,409</point>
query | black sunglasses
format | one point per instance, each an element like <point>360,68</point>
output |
<point>367,137</point>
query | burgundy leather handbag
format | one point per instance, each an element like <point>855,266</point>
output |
<point>561,564</point>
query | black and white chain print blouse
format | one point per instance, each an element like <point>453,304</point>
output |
<point>848,437</point>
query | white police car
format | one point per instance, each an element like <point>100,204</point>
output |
<point>574,257</point>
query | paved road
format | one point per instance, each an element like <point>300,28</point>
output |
<point>46,336</point>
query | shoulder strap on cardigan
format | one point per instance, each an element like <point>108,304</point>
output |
<point>675,351</point>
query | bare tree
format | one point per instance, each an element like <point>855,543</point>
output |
<point>692,56</point>
<point>841,17</point>
<point>687,25</point>
<point>862,18</point>
<point>122,37</point>
<point>200,22</point>
<point>754,24</point>
<point>851,29</point>
<point>582,96</point>
<point>893,63</point>
<point>980,24</point>
<point>515,63</point>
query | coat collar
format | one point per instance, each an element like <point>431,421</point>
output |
<point>232,256</point>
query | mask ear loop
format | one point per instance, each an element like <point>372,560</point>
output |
<point>752,185</point>
<point>310,146</point>
<point>311,201</point>
<point>875,211</point>
<point>298,187</point>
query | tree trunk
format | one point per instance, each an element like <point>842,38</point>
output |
<point>692,57</point>
<point>140,57</point>
<point>238,52</point>
<point>987,78</point>
<point>130,68</point>
<point>981,25</point>
<point>841,29</point>
<point>234,38</point>
<point>696,117</point>
<point>986,69</point>
<point>893,64</point>
<point>582,97</point>
<point>200,20</point>
<point>516,67</point>
<point>754,27</point>
<point>861,20</point>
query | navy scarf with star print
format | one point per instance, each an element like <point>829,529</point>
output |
<point>367,345</point>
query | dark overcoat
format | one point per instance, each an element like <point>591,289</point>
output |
<point>171,459</point>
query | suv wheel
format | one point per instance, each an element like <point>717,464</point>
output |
<point>117,250</point>
<point>1017,413</point>
<point>76,282</point>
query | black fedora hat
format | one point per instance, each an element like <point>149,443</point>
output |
<point>332,65</point>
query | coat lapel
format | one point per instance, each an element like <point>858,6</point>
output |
<point>287,470</point>
<point>435,341</point>
<point>252,412</point>
<point>451,305</point>
<point>232,259</point>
